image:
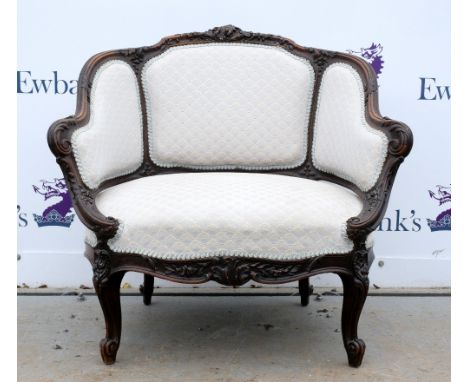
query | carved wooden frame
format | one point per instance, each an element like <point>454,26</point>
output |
<point>109,267</point>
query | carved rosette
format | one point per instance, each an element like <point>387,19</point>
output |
<point>101,266</point>
<point>321,59</point>
<point>147,170</point>
<point>136,56</point>
<point>228,33</point>
<point>373,198</point>
<point>308,170</point>
<point>361,266</point>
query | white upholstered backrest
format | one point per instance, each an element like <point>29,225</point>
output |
<point>111,144</point>
<point>228,105</point>
<point>343,143</point>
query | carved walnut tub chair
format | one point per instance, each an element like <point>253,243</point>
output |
<point>229,156</point>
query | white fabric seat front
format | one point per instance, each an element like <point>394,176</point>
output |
<point>197,215</point>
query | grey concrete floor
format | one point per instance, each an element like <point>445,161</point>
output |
<point>240,338</point>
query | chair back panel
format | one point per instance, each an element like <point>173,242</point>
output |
<point>228,105</point>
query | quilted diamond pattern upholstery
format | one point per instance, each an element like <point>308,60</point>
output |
<point>196,215</point>
<point>344,143</point>
<point>228,106</point>
<point>111,144</point>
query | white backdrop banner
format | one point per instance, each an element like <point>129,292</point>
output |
<point>406,42</point>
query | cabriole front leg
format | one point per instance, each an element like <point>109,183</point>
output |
<point>355,288</point>
<point>108,292</point>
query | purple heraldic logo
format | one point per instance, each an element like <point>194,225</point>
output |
<point>57,214</point>
<point>443,221</point>
<point>372,55</point>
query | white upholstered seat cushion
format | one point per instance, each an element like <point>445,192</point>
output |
<point>196,215</point>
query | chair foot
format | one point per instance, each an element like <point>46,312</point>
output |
<point>147,289</point>
<point>305,290</point>
<point>355,350</point>
<point>109,347</point>
<point>354,295</point>
<point>108,293</point>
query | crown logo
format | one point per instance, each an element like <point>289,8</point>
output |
<point>443,221</point>
<point>53,218</point>
<point>58,214</point>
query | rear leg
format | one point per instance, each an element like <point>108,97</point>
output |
<point>147,289</point>
<point>305,290</point>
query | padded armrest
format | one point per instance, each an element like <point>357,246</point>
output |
<point>59,139</point>
<point>375,201</point>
